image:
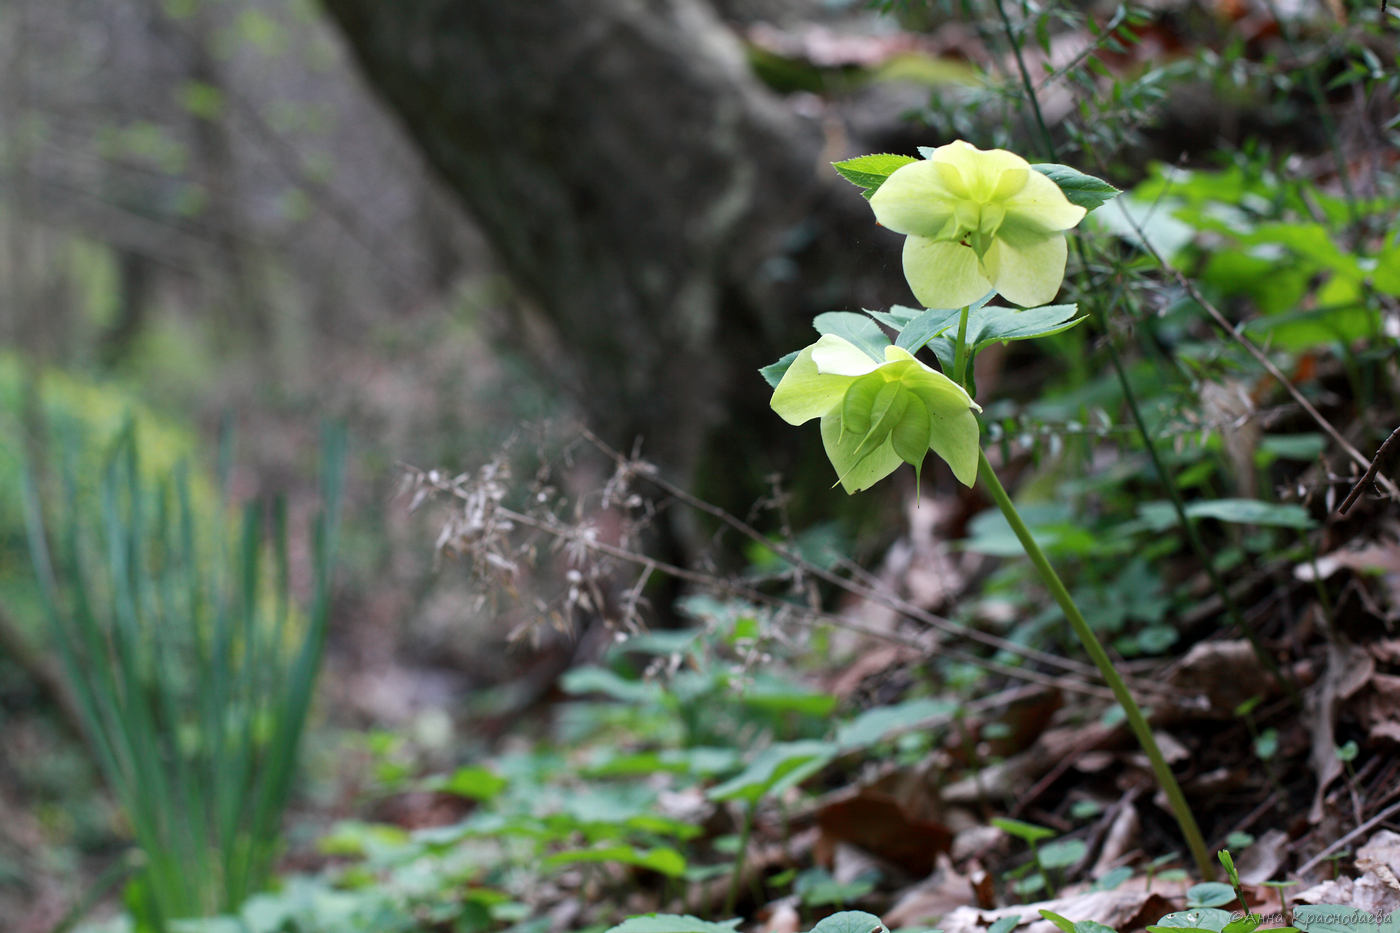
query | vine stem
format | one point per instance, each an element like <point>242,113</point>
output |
<point>1136,721</point>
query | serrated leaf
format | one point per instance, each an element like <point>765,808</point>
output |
<point>929,324</point>
<point>993,324</point>
<point>672,923</point>
<point>856,328</point>
<point>850,921</point>
<point>869,172</point>
<point>773,372</point>
<point>1080,189</point>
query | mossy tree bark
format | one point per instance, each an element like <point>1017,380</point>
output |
<point>667,214</point>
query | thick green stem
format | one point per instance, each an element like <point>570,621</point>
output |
<point>960,348</point>
<point>1136,721</point>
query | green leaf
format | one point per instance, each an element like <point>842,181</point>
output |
<point>929,324</point>
<point>1252,512</point>
<point>1246,924</point>
<point>773,372</point>
<point>870,171</point>
<point>1209,894</point>
<point>781,696</point>
<point>593,679</point>
<point>775,769</point>
<point>1080,189</point>
<point>993,324</point>
<point>896,317</point>
<point>857,328</point>
<point>672,923</point>
<point>664,860</point>
<point>876,725</point>
<point>1063,853</point>
<point>1064,923</point>
<point>1210,919</point>
<point>1228,862</point>
<point>474,781</point>
<point>850,921</point>
<point>1005,924</point>
<point>1026,832</point>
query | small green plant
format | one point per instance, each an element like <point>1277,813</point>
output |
<point>977,223</point>
<point>1046,860</point>
<point>193,673</point>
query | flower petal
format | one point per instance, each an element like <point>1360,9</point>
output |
<point>1026,268</point>
<point>955,438</point>
<point>982,169</point>
<point>943,274</point>
<point>915,199</point>
<point>805,392</point>
<point>838,356</point>
<point>1042,203</point>
<point>856,473</point>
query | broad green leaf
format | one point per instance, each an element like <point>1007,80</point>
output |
<point>1062,853</point>
<point>1081,189</point>
<point>1210,919</point>
<point>876,725</point>
<point>992,324</point>
<point>672,923</point>
<point>1064,923</point>
<point>929,324</point>
<point>1252,512</point>
<point>592,679</point>
<point>1209,894</point>
<point>856,328</point>
<point>1027,832</point>
<point>896,317</point>
<point>474,781</point>
<point>870,171</point>
<point>773,372</point>
<point>664,860</point>
<point>775,769</point>
<point>850,921</point>
<point>1005,924</point>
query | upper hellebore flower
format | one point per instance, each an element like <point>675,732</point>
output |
<point>976,221</point>
<point>875,415</point>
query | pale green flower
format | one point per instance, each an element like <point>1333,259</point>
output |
<point>875,415</point>
<point>977,221</point>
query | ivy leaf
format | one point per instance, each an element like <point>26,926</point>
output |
<point>856,328</point>
<point>1080,189</point>
<point>869,172</point>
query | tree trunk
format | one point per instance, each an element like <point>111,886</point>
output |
<point>639,185</point>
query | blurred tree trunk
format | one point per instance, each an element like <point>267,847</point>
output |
<point>651,198</point>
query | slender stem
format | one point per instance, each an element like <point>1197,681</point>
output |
<point>732,899</point>
<point>1136,721</point>
<point>960,349</point>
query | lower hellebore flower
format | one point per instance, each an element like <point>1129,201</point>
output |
<point>976,221</point>
<point>875,415</point>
